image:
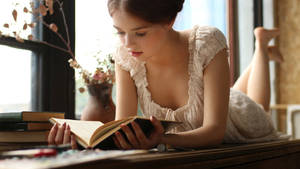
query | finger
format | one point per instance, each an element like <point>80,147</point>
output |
<point>157,125</point>
<point>73,142</point>
<point>52,134</point>
<point>60,134</point>
<point>116,142</point>
<point>142,139</point>
<point>67,135</point>
<point>131,137</point>
<point>122,141</point>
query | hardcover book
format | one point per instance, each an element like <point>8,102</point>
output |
<point>24,126</point>
<point>29,116</point>
<point>23,136</point>
<point>94,134</point>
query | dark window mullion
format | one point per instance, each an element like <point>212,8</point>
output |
<point>58,86</point>
<point>258,13</point>
<point>232,31</point>
<point>27,45</point>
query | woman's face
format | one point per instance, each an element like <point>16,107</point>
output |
<point>141,39</point>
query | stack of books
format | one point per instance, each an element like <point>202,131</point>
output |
<point>26,128</point>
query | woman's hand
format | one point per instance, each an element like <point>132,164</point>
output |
<point>137,139</point>
<point>61,134</point>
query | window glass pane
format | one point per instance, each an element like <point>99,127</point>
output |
<point>6,12</point>
<point>203,13</point>
<point>245,33</point>
<point>15,73</point>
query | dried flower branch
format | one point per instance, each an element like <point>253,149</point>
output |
<point>103,74</point>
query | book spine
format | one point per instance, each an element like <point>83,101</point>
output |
<point>12,126</point>
<point>23,136</point>
<point>41,116</point>
<point>11,117</point>
<point>5,126</point>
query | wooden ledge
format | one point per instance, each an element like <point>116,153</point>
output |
<point>269,155</point>
<point>277,154</point>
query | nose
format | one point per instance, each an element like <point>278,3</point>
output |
<point>128,41</point>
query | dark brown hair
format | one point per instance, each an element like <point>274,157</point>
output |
<point>153,11</point>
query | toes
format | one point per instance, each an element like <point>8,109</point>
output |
<point>265,35</point>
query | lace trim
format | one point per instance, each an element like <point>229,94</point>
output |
<point>169,113</point>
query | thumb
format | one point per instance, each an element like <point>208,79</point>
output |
<point>73,142</point>
<point>159,129</point>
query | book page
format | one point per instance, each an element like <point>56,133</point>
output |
<point>105,131</point>
<point>82,129</point>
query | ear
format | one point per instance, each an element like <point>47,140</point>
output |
<point>170,25</point>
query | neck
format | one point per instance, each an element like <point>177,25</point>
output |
<point>170,51</point>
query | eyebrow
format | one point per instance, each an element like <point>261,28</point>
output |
<point>134,29</point>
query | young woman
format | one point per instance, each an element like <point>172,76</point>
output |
<point>184,76</point>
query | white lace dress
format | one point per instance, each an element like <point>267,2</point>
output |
<point>247,121</point>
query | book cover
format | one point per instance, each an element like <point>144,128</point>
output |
<point>25,116</point>
<point>94,134</point>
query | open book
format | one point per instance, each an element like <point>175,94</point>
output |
<point>91,134</point>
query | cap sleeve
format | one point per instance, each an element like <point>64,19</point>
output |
<point>209,41</point>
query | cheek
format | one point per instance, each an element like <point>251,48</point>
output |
<point>152,44</point>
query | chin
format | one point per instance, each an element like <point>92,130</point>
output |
<point>143,58</point>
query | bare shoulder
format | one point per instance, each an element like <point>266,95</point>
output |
<point>186,33</point>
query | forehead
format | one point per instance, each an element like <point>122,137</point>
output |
<point>125,21</point>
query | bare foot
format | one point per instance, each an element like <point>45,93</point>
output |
<point>274,54</point>
<point>263,36</point>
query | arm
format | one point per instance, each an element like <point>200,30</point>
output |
<point>216,98</point>
<point>126,106</point>
<point>126,102</point>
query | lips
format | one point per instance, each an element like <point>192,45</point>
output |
<point>135,54</point>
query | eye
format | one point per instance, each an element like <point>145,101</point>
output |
<point>140,34</point>
<point>121,33</point>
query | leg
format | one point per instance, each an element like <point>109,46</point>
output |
<point>242,82</point>
<point>255,81</point>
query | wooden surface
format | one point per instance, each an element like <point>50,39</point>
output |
<point>269,155</point>
<point>273,155</point>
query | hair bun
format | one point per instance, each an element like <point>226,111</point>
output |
<point>153,11</point>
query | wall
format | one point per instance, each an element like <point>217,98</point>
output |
<point>288,13</point>
<point>288,73</point>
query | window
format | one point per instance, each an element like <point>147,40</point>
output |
<point>245,33</point>
<point>250,15</point>
<point>202,12</point>
<point>15,84</point>
<point>96,33</point>
<point>15,64</point>
<point>38,77</point>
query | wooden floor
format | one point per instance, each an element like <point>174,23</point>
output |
<point>270,155</point>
